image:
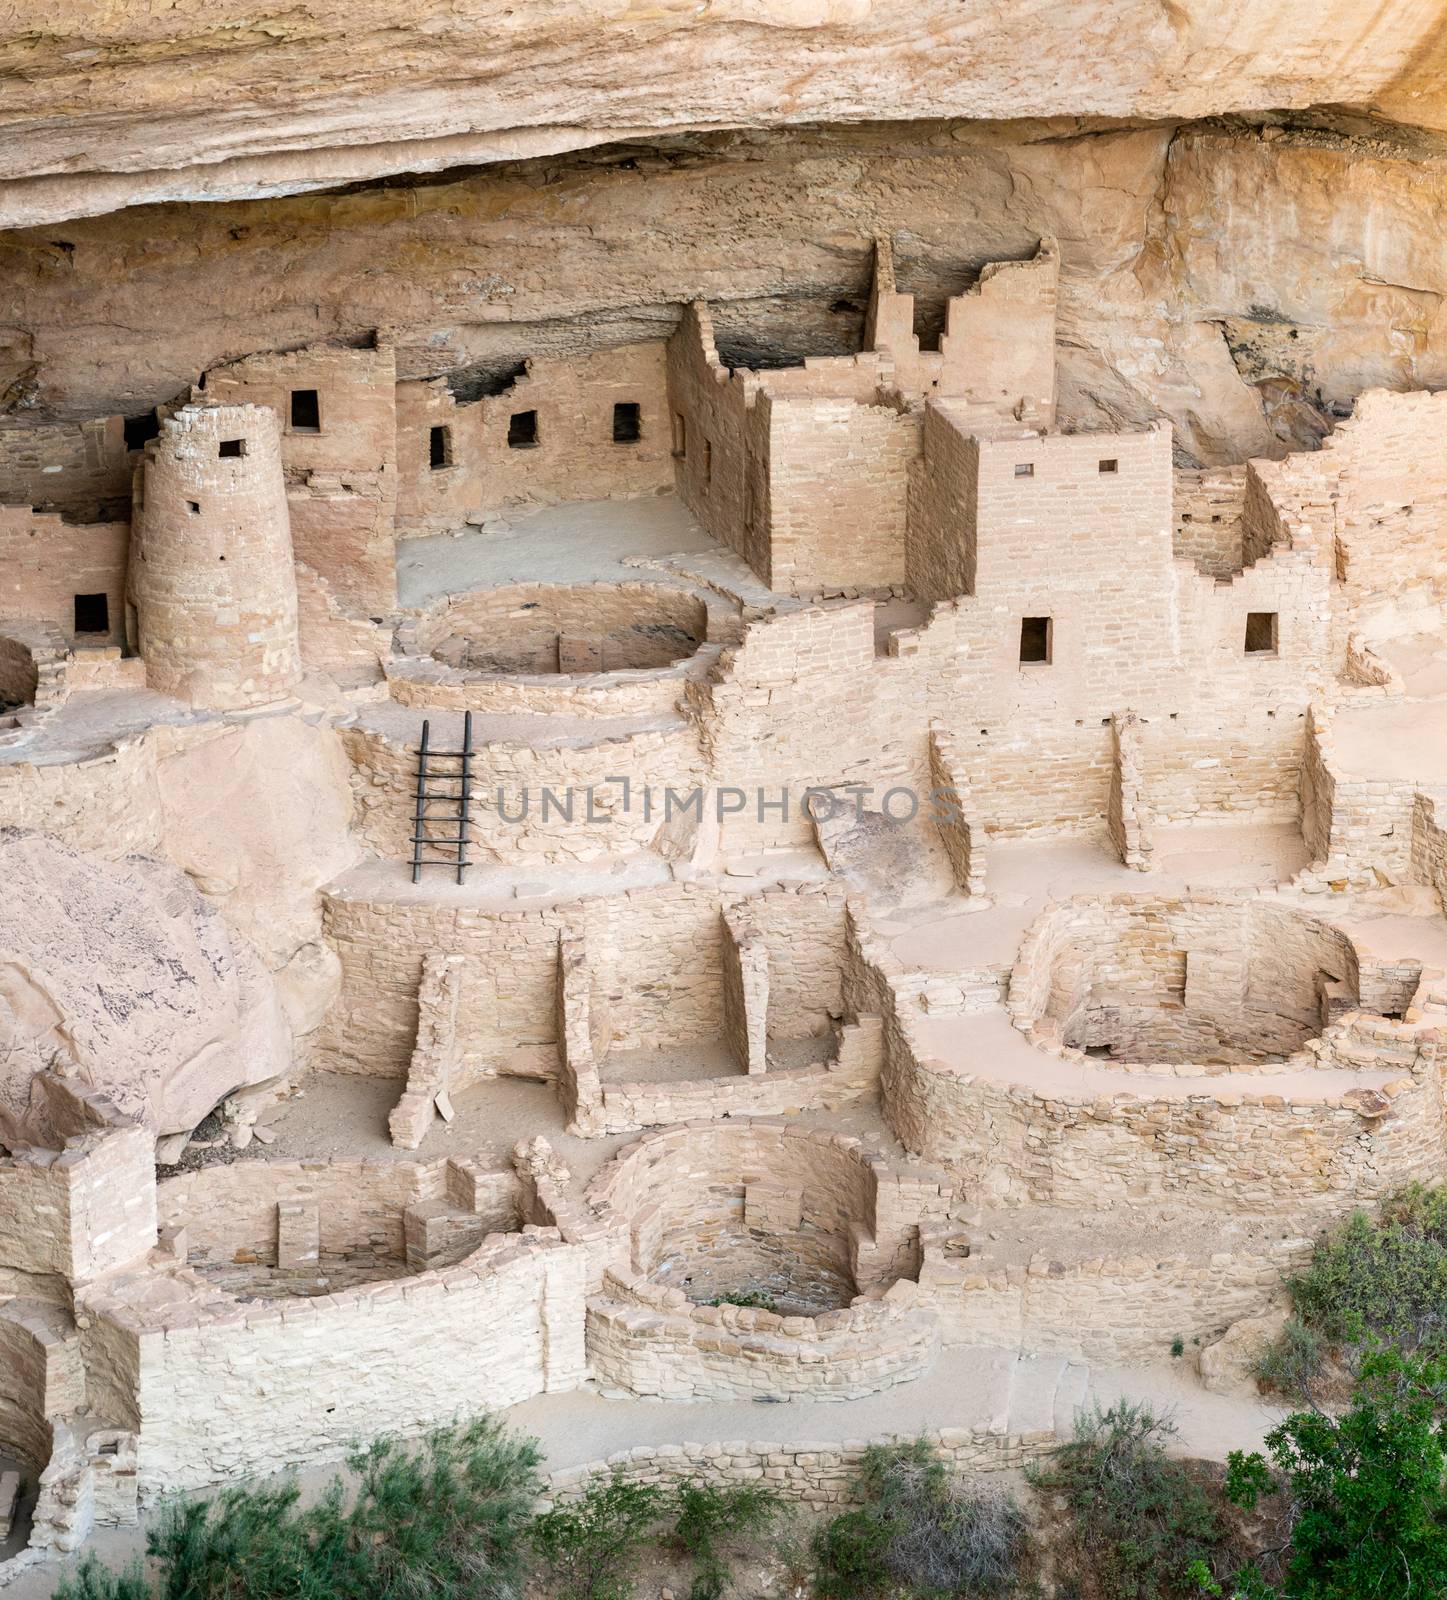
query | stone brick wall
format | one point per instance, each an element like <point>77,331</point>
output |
<point>46,562</point>
<point>341,476</point>
<point>230,1212</point>
<point>837,481</point>
<point>656,952</point>
<point>320,1375</point>
<point>25,1384</point>
<point>647,1340</point>
<point>1209,507</point>
<point>575,457</point>
<point>79,467</point>
<point>1110,1308</point>
<point>106,803</point>
<point>80,1211</point>
<point>530,798</point>
<point>941,548</point>
<point>1209,978</point>
<point>817,1474</point>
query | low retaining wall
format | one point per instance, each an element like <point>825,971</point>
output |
<point>818,1474</point>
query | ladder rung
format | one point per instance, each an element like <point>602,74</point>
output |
<point>423,839</point>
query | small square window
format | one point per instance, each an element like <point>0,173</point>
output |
<point>1109,465</point>
<point>92,613</point>
<point>194,507</point>
<point>231,447</point>
<point>1261,633</point>
<point>306,411</point>
<point>627,422</point>
<point>522,430</point>
<point>1024,469</point>
<point>1036,639</point>
<point>439,448</point>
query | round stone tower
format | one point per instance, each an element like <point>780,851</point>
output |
<point>212,579</point>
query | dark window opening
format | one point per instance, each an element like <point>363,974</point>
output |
<point>1260,633</point>
<point>1035,638</point>
<point>306,411</point>
<point>1024,469</point>
<point>627,422</point>
<point>522,430</point>
<point>138,430</point>
<point>194,507</point>
<point>439,448</point>
<point>1112,465</point>
<point>231,447</point>
<point>92,613</point>
<point>680,434</point>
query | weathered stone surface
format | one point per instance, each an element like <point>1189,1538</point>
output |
<point>201,101</point>
<point>125,976</point>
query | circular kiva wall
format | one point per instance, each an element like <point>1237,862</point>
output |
<point>1208,980</point>
<point>776,1268</point>
<point>537,629</point>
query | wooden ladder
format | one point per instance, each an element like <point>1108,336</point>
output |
<point>456,801</point>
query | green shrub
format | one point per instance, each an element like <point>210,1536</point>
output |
<point>920,1532</point>
<point>92,1581</point>
<point>1136,1519</point>
<point>709,1518</point>
<point>592,1544</point>
<point>750,1299</point>
<point>1292,1360</point>
<point>1369,1508</point>
<point>443,1520</point>
<point>1381,1279</point>
<point>850,1551</point>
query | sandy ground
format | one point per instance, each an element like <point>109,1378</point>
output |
<point>590,541</point>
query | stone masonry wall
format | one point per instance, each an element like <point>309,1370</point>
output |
<point>820,1475</point>
<point>341,475</point>
<point>575,457</point>
<point>46,562</point>
<point>320,1375</point>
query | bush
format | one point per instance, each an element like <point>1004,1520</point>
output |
<point>1368,1504</point>
<point>592,1544</point>
<point>920,1532</point>
<point>1290,1363</point>
<point>750,1299</point>
<point>439,1521</point>
<point>1382,1279</point>
<point>1136,1519</point>
<point>708,1518</point>
<point>92,1581</point>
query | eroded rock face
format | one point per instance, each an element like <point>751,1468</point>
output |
<point>121,974</point>
<point>114,102</point>
<point>1241,281</point>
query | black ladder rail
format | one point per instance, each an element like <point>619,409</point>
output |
<point>421,791</point>
<point>462,862</point>
<point>458,804</point>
